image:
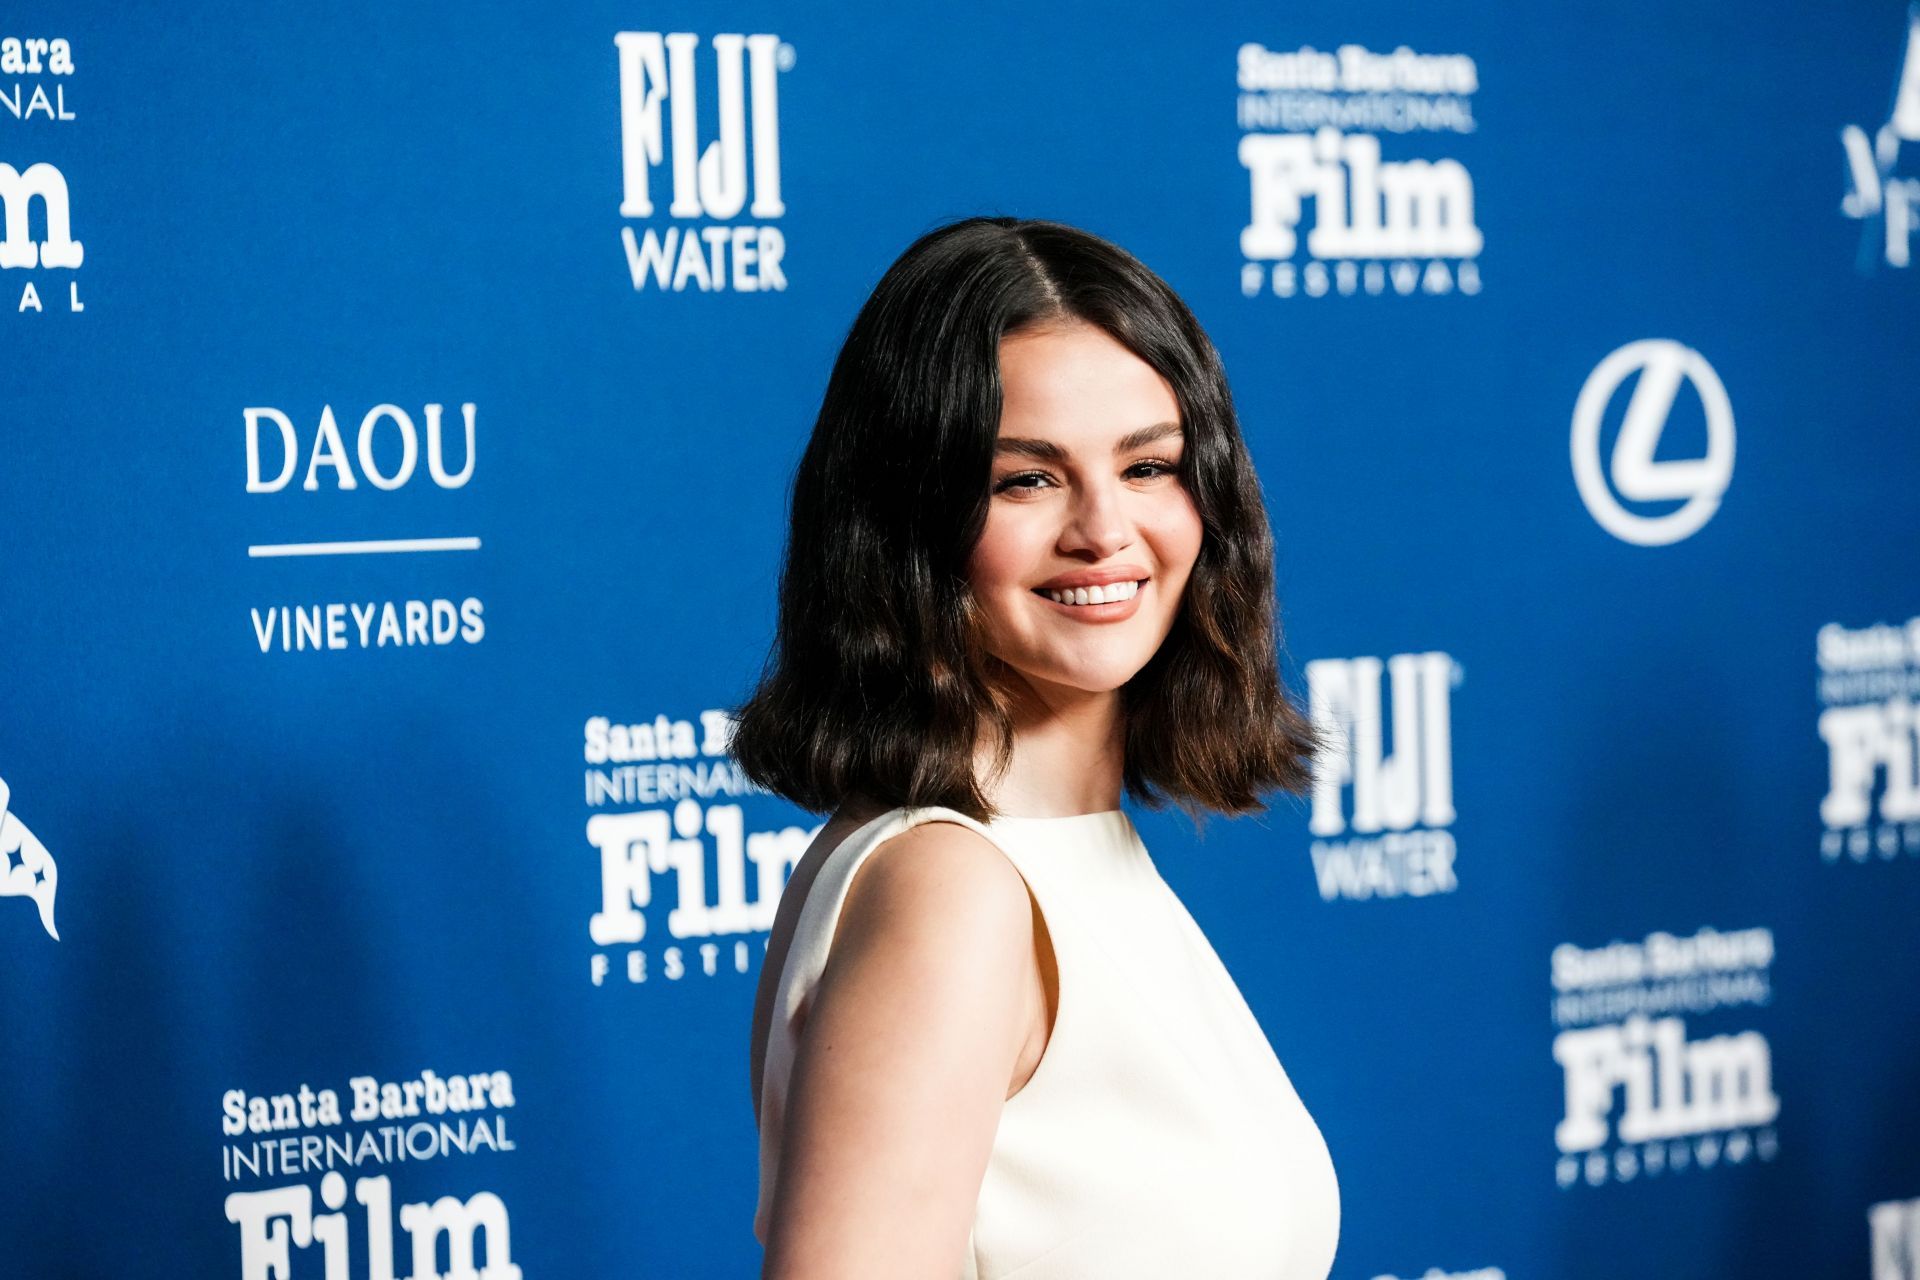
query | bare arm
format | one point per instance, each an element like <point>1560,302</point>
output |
<point>904,1062</point>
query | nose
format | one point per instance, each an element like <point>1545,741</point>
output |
<point>1098,523</point>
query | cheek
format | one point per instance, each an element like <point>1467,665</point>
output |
<point>1177,531</point>
<point>998,560</point>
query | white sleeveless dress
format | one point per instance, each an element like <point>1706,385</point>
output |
<point>1159,1136</point>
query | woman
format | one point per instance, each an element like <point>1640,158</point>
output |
<point>1028,568</point>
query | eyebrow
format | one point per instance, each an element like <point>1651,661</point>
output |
<point>1048,451</point>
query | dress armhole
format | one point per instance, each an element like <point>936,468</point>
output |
<point>1048,958</point>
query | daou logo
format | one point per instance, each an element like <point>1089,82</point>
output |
<point>57,249</point>
<point>389,452</point>
<point>1884,203</point>
<point>1895,1230</point>
<point>1403,802</point>
<point>329,450</point>
<point>1662,366</point>
<point>659,97</point>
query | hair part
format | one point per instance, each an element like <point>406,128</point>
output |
<point>877,684</point>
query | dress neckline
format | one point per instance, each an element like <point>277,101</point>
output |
<point>1107,814</point>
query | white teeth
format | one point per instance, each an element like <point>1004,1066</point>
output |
<point>1095,595</point>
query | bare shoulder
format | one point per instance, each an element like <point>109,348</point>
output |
<point>939,888</point>
<point>780,938</point>
<point>904,1062</point>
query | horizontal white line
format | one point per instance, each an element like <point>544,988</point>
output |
<point>363,548</point>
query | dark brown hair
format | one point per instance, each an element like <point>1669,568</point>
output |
<point>876,685</point>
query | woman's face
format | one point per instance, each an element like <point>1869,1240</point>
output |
<point>1085,492</point>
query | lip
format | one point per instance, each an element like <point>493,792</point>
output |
<point>1094,577</point>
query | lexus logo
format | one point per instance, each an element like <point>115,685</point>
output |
<point>1630,472</point>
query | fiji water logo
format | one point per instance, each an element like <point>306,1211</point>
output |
<point>1381,814</point>
<point>1313,124</point>
<point>27,870</point>
<point>1886,206</point>
<point>710,185</point>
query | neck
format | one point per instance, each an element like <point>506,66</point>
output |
<point>1068,750</point>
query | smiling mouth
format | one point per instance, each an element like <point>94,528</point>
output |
<point>1082,597</point>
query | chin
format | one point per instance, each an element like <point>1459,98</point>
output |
<point>1106,679</point>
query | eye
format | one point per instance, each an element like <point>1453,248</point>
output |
<point>1159,467</point>
<point>1017,481</point>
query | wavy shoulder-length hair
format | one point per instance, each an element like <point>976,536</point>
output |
<point>877,685</point>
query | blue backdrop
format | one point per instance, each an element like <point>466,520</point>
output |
<point>399,405</point>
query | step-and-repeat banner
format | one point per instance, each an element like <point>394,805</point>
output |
<point>398,408</point>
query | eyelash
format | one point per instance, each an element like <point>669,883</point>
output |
<point>1009,482</point>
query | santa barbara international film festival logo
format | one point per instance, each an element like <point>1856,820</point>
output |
<point>685,889</point>
<point>1869,695</point>
<point>663,80</point>
<point>305,1141</point>
<point>1893,1231</point>
<point>1645,1096</point>
<point>1655,372</point>
<point>1392,839</point>
<point>1887,206</point>
<point>1329,134</point>
<point>35,75</point>
<point>390,443</point>
<point>27,870</point>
